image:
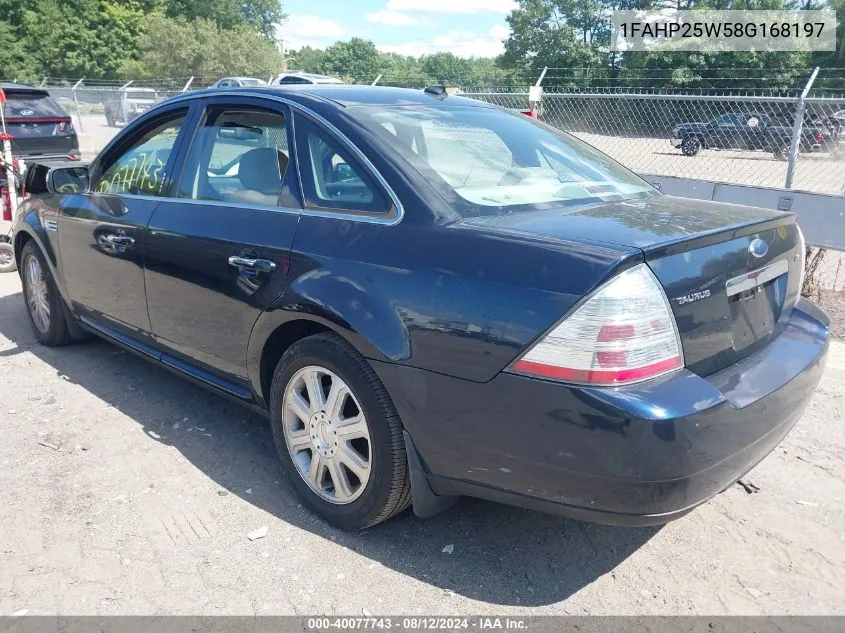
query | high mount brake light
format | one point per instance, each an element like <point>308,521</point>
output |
<point>624,332</point>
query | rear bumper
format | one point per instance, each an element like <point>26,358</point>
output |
<point>676,142</point>
<point>643,454</point>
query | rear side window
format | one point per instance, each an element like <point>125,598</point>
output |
<point>238,156</point>
<point>32,106</point>
<point>331,177</point>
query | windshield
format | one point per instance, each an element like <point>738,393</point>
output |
<point>253,82</point>
<point>487,161</point>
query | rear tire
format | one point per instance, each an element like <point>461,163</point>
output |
<point>691,145</point>
<point>371,468</point>
<point>781,152</point>
<point>44,304</point>
<point>7,258</point>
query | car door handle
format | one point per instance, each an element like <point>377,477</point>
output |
<point>119,240</point>
<point>257,265</point>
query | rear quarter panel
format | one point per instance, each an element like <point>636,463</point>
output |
<point>445,298</point>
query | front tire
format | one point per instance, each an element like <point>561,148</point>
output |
<point>43,301</point>
<point>691,145</point>
<point>338,434</point>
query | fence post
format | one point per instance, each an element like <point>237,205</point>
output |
<point>121,92</point>
<point>542,76</point>
<point>377,79</point>
<point>188,85</point>
<point>76,105</point>
<point>43,82</point>
<point>798,124</point>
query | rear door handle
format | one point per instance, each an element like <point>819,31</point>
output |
<point>254,265</point>
<point>119,240</point>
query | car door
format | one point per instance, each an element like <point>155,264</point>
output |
<point>726,133</point>
<point>218,247</point>
<point>102,232</point>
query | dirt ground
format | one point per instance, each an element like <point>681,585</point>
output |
<point>124,490</point>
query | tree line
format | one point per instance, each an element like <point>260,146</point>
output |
<point>137,39</point>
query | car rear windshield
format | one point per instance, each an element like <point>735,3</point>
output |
<point>32,105</point>
<point>487,161</point>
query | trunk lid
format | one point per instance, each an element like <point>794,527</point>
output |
<point>731,273</point>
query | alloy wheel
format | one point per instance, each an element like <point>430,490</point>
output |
<point>326,434</point>
<point>35,288</point>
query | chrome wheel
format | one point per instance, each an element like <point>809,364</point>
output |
<point>326,434</point>
<point>35,288</point>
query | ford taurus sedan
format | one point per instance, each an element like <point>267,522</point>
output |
<point>431,297</point>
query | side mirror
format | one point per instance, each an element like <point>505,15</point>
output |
<point>68,180</point>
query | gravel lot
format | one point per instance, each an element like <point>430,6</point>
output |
<point>124,490</point>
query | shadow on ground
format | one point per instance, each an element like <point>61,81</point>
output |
<point>502,555</point>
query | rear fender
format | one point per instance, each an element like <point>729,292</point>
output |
<point>375,332</point>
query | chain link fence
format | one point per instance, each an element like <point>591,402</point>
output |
<point>722,138</point>
<point>739,139</point>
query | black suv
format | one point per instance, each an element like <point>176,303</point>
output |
<point>40,128</point>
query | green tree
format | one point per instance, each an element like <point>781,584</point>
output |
<point>15,63</point>
<point>307,59</point>
<point>544,33</point>
<point>175,47</point>
<point>356,60</point>
<point>81,38</point>
<point>263,15</point>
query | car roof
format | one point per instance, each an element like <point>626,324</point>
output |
<point>346,95</point>
<point>13,87</point>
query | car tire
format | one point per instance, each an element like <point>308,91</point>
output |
<point>44,304</point>
<point>691,145</point>
<point>781,152</point>
<point>7,258</point>
<point>371,467</point>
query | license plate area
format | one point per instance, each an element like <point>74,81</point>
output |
<point>756,300</point>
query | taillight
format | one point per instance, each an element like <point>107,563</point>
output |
<point>74,156</point>
<point>5,203</point>
<point>624,332</point>
<point>529,113</point>
<point>819,137</point>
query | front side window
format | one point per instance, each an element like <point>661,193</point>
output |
<point>140,170</point>
<point>238,156</point>
<point>331,177</point>
<point>487,161</point>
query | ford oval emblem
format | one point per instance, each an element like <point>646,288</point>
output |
<point>758,247</point>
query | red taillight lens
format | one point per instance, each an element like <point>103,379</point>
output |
<point>530,113</point>
<point>74,156</point>
<point>5,203</point>
<point>624,332</point>
<point>819,137</point>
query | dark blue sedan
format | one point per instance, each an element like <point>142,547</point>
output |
<point>431,297</point>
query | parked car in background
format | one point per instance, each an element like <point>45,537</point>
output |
<point>128,104</point>
<point>40,128</point>
<point>237,82</point>
<point>286,79</point>
<point>433,298</point>
<point>745,131</point>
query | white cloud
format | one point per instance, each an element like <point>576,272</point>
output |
<point>308,30</point>
<point>461,43</point>
<point>397,18</point>
<point>500,32</point>
<point>453,6</point>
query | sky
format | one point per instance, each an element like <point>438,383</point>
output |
<point>467,28</point>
